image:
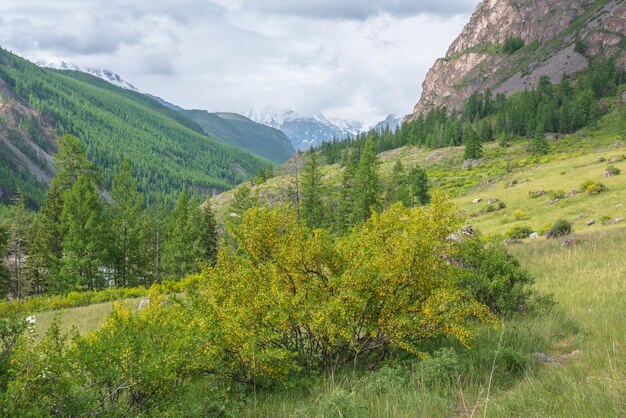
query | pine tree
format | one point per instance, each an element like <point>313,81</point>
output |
<point>125,253</point>
<point>367,187</point>
<point>399,190</point>
<point>243,199</point>
<point>181,248</point>
<point>418,181</point>
<point>5,273</point>
<point>473,146</point>
<point>18,230</point>
<point>205,229</point>
<point>539,144</point>
<point>312,189</point>
<point>156,221</point>
<point>82,224</point>
<point>71,162</point>
<point>45,246</point>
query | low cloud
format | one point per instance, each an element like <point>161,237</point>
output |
<point>362,10</point>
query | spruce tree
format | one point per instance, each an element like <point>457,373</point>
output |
<point>71,162</point>
<point>539,144</point>
<point>207,233</point>
<point>399,189</point>
<point>418,181</point>
<point>367,188</point>
<point>473,146</point>
<point>126,256</point>
<point>45,246</point>
<point>5,273</point>
<point>181,247</point>
<point>82,224</point>
<point>156,221</point>
<point>18,230</point>
<point>312,189</point>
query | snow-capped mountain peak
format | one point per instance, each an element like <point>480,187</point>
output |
<point>306,131</point>
<point>106,75</point>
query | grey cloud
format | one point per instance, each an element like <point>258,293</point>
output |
<point>94,36</point>
<point>361,10</point>
<point>158,64</point>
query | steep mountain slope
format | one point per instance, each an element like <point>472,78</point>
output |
<point>238,130</point>
<point>307,131</point>
<point>560,37</point>
<point>167,151</point>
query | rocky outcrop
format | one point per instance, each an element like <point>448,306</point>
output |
<point>550,28</point>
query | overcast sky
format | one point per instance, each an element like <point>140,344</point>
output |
<point>354,59</point>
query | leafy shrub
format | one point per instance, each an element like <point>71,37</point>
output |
<point>560,228</point>
<point>514,361</point>
<point>592,187</point>
<point>11,329</point>
<point>580,46</point>
<point>490,208</point>
<point>613,171</point>
<point>534,194</point>
<point>338,403</point>
<point>604,219</point>
<point>495,278</point>
<point>557,194</point>
<point>520,215</point>
<point>512,44</point>
<point>442,367</point>
<point>519,232</point>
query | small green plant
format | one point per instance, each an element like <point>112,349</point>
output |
<point>592,187</point>
<point>519,232</point>
<point>512,44</point>
<point>612,171</point>
<point>520,215</point>
<point>557,194</point>
<point>605,220</point>
<point>560,228</point>
<point>534,194</point>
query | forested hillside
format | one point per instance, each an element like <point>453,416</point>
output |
<point>167,151</point>
<point>241,132</point>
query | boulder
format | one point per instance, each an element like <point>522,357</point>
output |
<point>591,222</point>
<point>493,200</point>
<point>615,221</point>
<point>477,200</point>
<point>143,304</point>
<point>534,235</point>
<point>570,241</point>
<point>573,193</point>
<point>467,164</point>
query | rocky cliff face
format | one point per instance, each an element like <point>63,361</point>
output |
<point>475,60</point>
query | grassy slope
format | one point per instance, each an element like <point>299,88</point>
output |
<point>572,161</point>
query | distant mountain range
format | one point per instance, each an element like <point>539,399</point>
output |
<point>307,131</point>
<point>251,132</point>
<point>392,122</point>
